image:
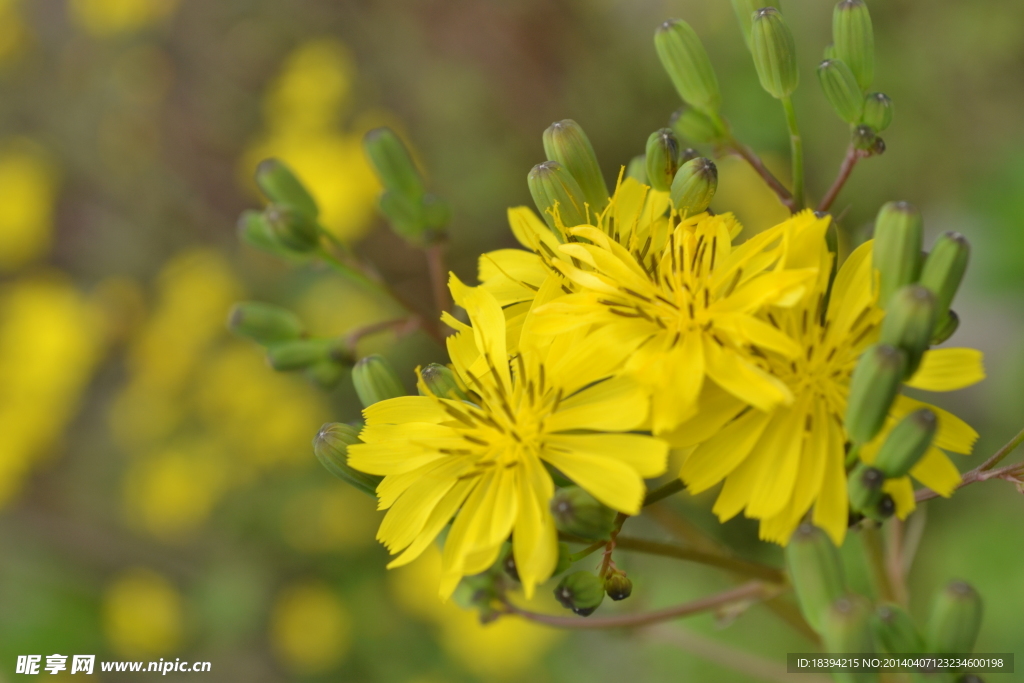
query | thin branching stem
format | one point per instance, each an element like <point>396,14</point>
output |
<point>985,471</point>
<point>748,155</point>
<point>853,155</point>
<point>435,254</point>
<point>731,564</point>
<point>664,491</point>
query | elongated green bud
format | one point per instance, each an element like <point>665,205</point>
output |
<point>393,164</point>
<point>298,354</point>
<point>618,586</point>
<point>830,52</point>
<point>441,382</point>
<point>694,186</point>
<point>944,269</point>
<point>774,51</point>
<point>895,631</point>
<point>907,443</point>
<point>375,380</point>
<point>664,154</point>
<point>896,254</point>
<point>847,628</point>
<point>865,487</point>
<point>566,143</point>
<point>945,328</point>
<point>955,619</point>
<point>637,169</point>
<point>254,230</point>
<point>816,572</point>
<point>553,186</point>
<point>745,15</point>
<point>873,387</point>
<point>687,64</point>
<point>404,215</point>
<point>909,322</point>
<point>841,89</point>
<point>854,39</point>
<point>693,126</point>
<point>331,448</point>
<point>582,592</point>
<point>578,513</point>
<point>264,323</point>
<point>877,111</point>
<point>564,559</point>
<point>326,374</point>
<point>281,186</point>
<point>292,229</point>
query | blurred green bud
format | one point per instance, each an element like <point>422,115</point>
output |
<point>694,186</point>
<point>687,64</point>
<point>847,628</point>
<point>854,40</point>
<point>774,51</point>
<point>298,354</point>
<point>326,374</point>
<point>841,89</point>
<point>552,185</point>
<point>944,269</point>
<point>564,559</point>
<point>830,52</point>
<point>331,448</point>
<point>437,213</point>
<point>909,322</point>
<point>896,254</point>
<point>877,111</point>
<point>281,186</point>
<point>864,138</point>
<point>618,586</point>
<point>566,143</point>
<point>582,592</point>
<point>637,169</point>
<point>873,387</point>
<point>441,382</point>
<point>895,631</point>
<point>907,443</point>
<point>254,230</point>
<point>878,149</point>
<point>264,323</point>
<point>292,229</point>
<point>745,14</point>
<point>694,126</point>
<point>945,328</point>
<point>955,619</point>
<point>393,164</point>
<point>815,571</point>
<point>864,485</point>
<point>405,216</point>
<point>375,380</point>
<point>663,158</point>
<point>578,513</point>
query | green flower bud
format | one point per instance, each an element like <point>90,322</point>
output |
<point>694,186</point>
<point>864,138</point>
<point>745,14</point>
<point>663,158</point>
<point>944,268</point>
<point>945,328</point>
<point>883,509</point>
<point>847,628</point>
<point>687,64</point>
<point>264,323</point>
<point>254,230</point>
<point>830,52</point>
<point>873,387</point>
<point>895,630</point>
<point>578,513</point>
<point>907,443</point>
<point>298,354</point>
<point>566,143</point>
<point>897,248</point>
<point>618,586</point>
<point>865,487</point>
<point>326,374</point>
<point>909,322</point>
<point>437,213</point>
<point>331,448</point>
<point>582,592</point>
<point>841,89</point>
<point>282,187</point>
<point>637,169</point>
<point>564,559</point>
<point>955,619</point>
<point>292,229</point>
<point>404,215</point>
<point>441,382</point>
<point>774,51</point>
<point>854,40</point>
<point>552,185</point>
<point>375,380</point>
<point>393,164</point>
<point>816,572</point>
<point>694,126</point>
<point>877,111</point>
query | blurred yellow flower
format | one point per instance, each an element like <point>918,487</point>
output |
<point>13,31</point>
<point>105,18</point>
<point>310,629</point>
<point>302,110</point>
<point>142,614</point>
<point>742,192</point>
<point>329,518</point>
<point>26,214</point>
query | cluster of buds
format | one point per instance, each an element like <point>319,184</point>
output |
<point>288,226</point>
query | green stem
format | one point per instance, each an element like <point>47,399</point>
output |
<point>872,539</point>
<point>737,566</point>
<point>796,146</point>
<point>998,456</point>
<point>664,491</point>
<point>586,552</point>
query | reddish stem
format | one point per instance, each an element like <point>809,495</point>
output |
<point>853,155</point>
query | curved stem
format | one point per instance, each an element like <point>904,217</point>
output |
<point>985,471</point>
<point>796,147</point>
<point>739,149</point>
<point>732,564</point>
<point>853,155</point>
<point>438,277</point>
<point>664,491</point>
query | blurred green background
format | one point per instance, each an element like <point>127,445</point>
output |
<point>158,493</point>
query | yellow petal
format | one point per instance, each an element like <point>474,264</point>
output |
<point>535,539</point>
<point>749,330</point>
<point>783,440</point>
<point>742,379</point>
<point>410,513</point>
<point>717,408</point>
<point>948,369</point>
<point>953,434</point>
<point>614,404</point>
<point>405,409</point>
<point>439,518</point>
<point>647,456</point>
<point>714,459</point>
<point>936,471</point>
<point>902,492</point>
<point>610,480</point>
<point>831,511</point>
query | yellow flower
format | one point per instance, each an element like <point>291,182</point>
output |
<point>26,215</point>
<point>488,456</point>
<point>311,630</point>
<point>105,18</point>
<point>142,614</point>
<point>778,463</point>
